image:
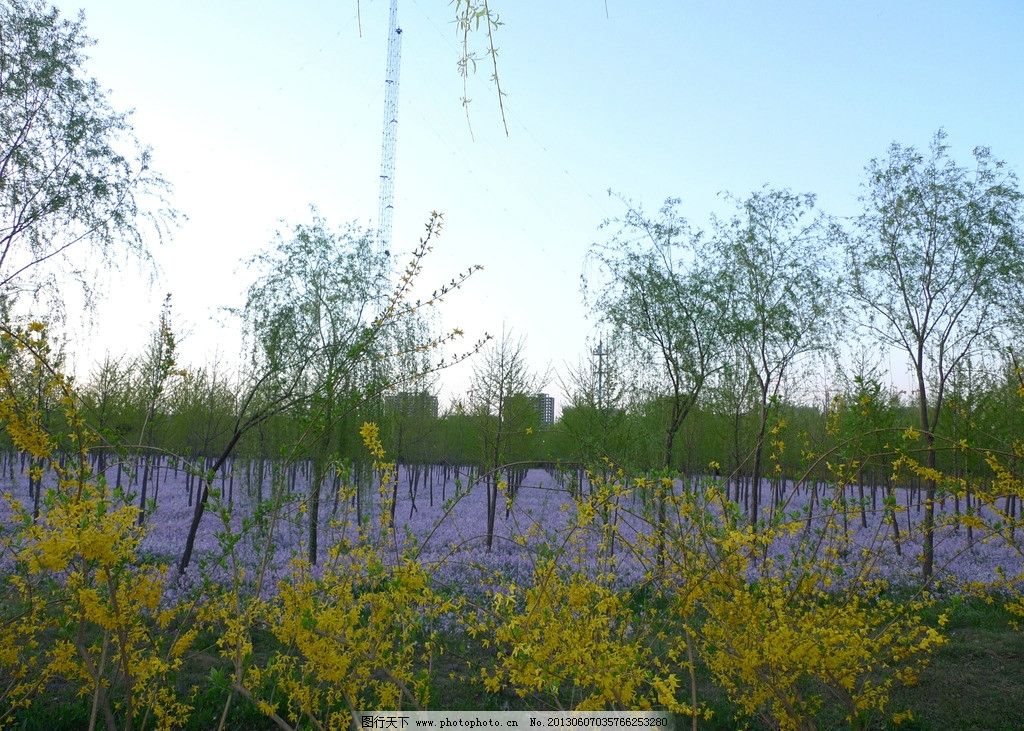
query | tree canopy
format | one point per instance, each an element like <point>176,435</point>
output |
<point>72,174</point>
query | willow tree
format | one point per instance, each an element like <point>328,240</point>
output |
<point>934,256</point>
<point>326,325</point>
<point>782,306</point>
<point>305,313</point>
<point>664,305</point>
<point>73,176</point>
<point>668,307</point>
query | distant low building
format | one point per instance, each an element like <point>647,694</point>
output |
<point>412,403</point>
<point>546,409</point>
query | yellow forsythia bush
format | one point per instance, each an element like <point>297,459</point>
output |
<point>354,638</point>
<point>79,606</point>
<point>567,635</point>
<point>778,643</point>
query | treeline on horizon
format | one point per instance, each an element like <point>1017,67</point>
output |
<point>864,420</point>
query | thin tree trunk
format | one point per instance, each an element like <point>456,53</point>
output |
<point>197,514</point>
<point>142,493</point>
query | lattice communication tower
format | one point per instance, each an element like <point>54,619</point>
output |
<point>387,149</point>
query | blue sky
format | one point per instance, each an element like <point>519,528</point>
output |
<point>256,110</point>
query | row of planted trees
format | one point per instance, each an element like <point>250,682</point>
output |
<point>720,432</point>
<point>930,269</point>
<point>712,335</point>
<point>930,266</point>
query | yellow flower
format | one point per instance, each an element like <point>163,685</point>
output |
<point>902,717</point>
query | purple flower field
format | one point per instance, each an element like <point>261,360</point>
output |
<point>448,533</point>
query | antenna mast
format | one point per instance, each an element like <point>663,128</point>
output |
<point>387,148</point>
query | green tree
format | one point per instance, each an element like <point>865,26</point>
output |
<point>106,404</point>
<point>501,380</point>
<point>732,397</point>
<point>594,420</point>
<point>154,372</point>
<point>863,418</point>
<point>669,310</point>
<point>933,256</point>
<point>665,306</point>
<point>782,306</point>
<point>72,174</point>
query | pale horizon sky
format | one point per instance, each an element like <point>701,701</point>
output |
<point>254,111</point>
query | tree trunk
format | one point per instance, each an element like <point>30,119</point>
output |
<point>142,493</point>
<point>928,525</point>
<point>314,512</point>
<point>197,514</point>
<point>891,511</point>
<point>755,478</point>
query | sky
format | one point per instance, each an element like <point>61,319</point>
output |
<point>256,110</point>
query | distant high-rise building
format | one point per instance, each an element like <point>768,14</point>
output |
<point>418,403</point>
<point>546,409</point>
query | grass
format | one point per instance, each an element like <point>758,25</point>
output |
<point>977,680</point>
